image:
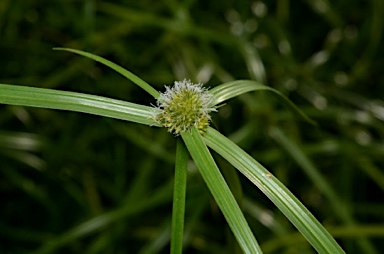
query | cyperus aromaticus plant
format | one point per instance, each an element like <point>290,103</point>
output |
<point>184,106</point>
<point>184,109</point>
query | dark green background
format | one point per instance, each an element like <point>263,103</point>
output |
<point>61,170</point>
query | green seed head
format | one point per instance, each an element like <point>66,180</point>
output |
<point>183,106</point>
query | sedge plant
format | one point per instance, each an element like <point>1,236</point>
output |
<point>184,109</point>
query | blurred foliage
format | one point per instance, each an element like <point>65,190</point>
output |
<point>76,183</point>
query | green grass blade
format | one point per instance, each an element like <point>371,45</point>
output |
<point>234,88</point>
<point>129,75</point>
<point>339,207</point>
<point>91,104</point>
<point>253,60</point>
<point>159,241</point>
<point>287,203</point>
<point>220,191</point>
<point>179,191</point>
<point>295,238</point>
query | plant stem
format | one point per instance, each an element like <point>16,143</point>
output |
<point>179,191</point>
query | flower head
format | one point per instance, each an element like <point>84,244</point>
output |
<point>183,106</point>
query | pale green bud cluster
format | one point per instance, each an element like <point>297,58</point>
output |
<point>183,106</point>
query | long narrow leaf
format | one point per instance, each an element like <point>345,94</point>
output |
<point>129,75</point>
<point>234,88</point>
<point>287,203</point>
<point>319,180</point>
<point>96,105</point>
<point>220,191</point>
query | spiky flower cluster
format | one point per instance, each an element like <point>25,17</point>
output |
<point>183,106</point>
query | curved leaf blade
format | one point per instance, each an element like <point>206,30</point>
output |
<point>71,101</point>
<point>287,203</point>
<point>232,89</point>
<point>313,173</point>
<point>220,191</point>
<point>129,75</point>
